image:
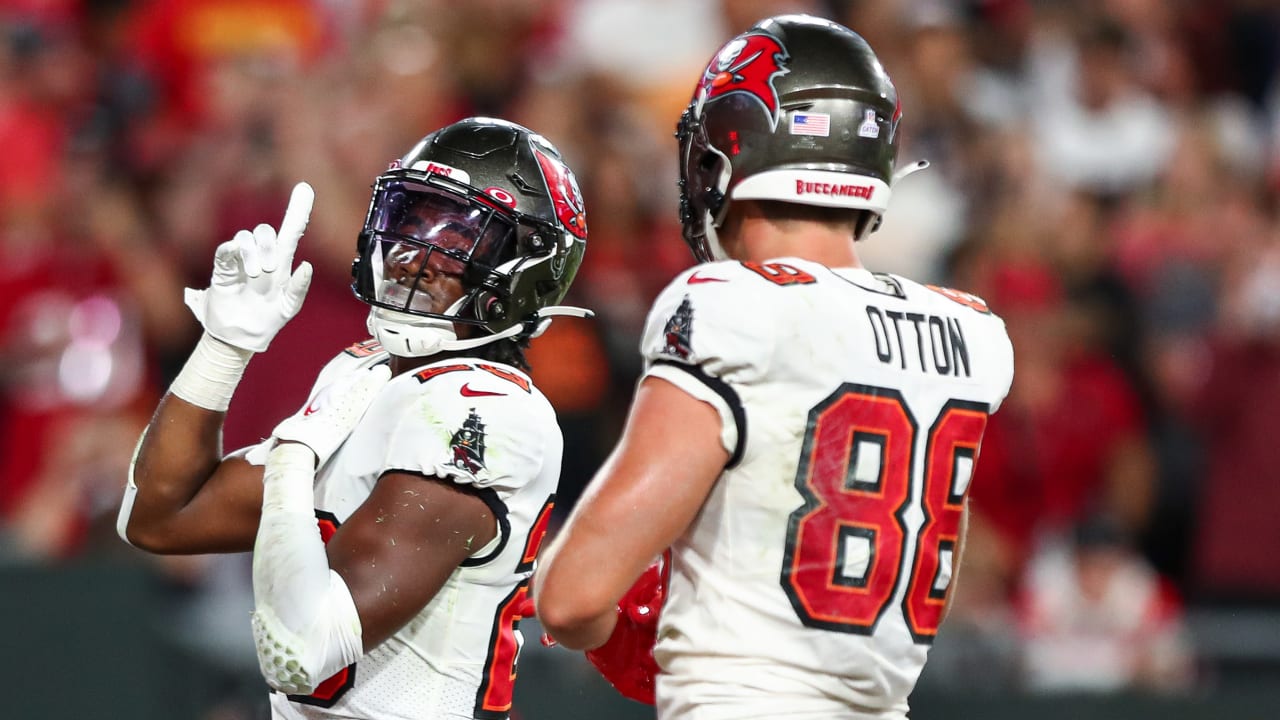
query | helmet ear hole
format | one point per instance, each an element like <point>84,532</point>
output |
<point>488,307</point>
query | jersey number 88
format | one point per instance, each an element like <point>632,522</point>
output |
<point>856,475</point>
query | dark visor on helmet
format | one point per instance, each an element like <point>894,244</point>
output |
<point>421,229</point>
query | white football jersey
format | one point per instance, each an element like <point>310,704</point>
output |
<point>476,423</point>
<point>812,582</point>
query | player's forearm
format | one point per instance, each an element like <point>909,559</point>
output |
<point>180,449</point>
<point>578,615</point>
<point>178,453</point>
<point>180,496</point>
<point>574,626</point>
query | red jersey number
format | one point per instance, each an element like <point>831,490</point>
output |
<point>497,687</point>
<point>967,299</point>
<point>856,478</point>
<point>780,273</point>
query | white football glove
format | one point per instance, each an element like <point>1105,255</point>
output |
<point>252,293</point>
<point>332,413</point>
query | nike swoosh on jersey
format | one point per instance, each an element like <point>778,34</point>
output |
<point>695,278</point>
<point>312,408</point>
<point>466,391</point>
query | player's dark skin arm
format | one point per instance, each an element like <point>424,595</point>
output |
<point>399,547</point>
<point>191,500</point>
<point>394,552</point>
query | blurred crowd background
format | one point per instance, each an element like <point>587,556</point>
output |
<point>1104,173</point>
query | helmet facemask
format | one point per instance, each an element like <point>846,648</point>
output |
<point>423,230</point>
<point>704,175</point>
<point>477,231</point>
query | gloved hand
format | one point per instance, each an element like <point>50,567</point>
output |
<point>252,293</point>
<point>626,658</point>
<point>332,412</point>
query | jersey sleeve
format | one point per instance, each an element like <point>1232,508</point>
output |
<point>471,427</point>
<point>709,333</point>
<point>994,345</point>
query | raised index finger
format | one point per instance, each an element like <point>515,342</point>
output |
<point>295,218</point>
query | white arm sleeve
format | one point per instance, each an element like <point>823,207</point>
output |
<point>130,493</point>
<point>305,624</point>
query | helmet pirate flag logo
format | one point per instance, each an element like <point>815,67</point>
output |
<point>565,195</point>
<point>747,65</point>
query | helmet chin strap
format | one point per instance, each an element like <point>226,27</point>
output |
<point>549,313</point>
<point>412,336</point>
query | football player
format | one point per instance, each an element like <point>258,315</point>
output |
<point>805,431</point>
<point>395,518</point>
